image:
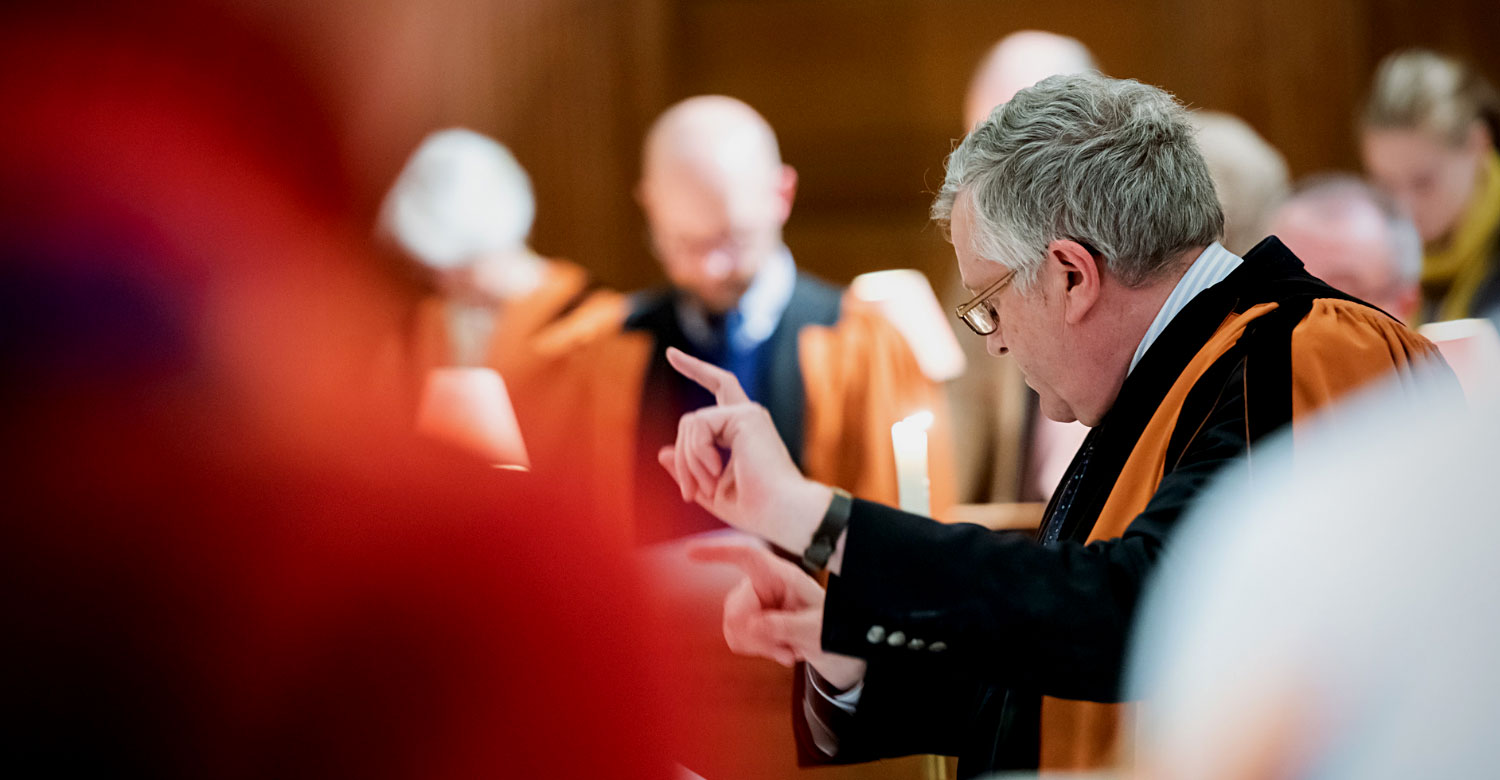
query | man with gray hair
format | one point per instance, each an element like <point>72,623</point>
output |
<point>1007,452</point>
<point>1356,238</point>
<point>1085,221</point>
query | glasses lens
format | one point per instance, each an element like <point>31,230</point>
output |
<point>980,319</point>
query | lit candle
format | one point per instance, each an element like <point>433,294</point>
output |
<point>909,438</point>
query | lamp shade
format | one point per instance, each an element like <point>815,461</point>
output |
<point>906,299</point>
<point>1472,349</point>
<point>469,408</point>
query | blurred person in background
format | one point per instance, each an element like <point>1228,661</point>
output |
<point>832,371</point>
<point>1356,239</point>
<point>226,554</point>
<point>1180,355</point>
<point>1016,62</point>
<point>1006,451</point>
<point>1297,630</point>
<point>1428,136</point>
<point>461,210</point>
<point>1250,176</point>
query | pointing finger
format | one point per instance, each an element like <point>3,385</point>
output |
<point>725,387</point>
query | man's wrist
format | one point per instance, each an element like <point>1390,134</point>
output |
<point>831,527</point>
<point>836,561</point>
<point>841,672</point>
<point>804,513</point>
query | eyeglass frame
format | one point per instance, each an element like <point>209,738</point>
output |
<point>983,297</point>
<point>994,289</point>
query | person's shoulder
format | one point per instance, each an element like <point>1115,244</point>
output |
<point>816,301</point>
<point>596,315</point>
<point>648,309</point>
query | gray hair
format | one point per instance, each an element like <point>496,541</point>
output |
<point>1107,162</point>
<point>1331,194</point>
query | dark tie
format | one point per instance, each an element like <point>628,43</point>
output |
<point>740,362</point>
<point>1053,529</point>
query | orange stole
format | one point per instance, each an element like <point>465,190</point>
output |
<point>1329,360</point>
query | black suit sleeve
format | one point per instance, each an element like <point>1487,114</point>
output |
<point>939,703</point>
<point>1001,609</point>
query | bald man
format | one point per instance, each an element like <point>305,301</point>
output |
<point>1018,61</point>
<point>1355,238</point>
<point>832,372</point>
<point>1006,451</point>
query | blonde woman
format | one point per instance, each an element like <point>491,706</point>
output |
<point>1428,135</point>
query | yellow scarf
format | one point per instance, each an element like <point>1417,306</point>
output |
<point>1452,275</point>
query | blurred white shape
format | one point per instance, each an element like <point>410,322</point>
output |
<point>683,773</point>
<point>1333,617</point>
<point>906,299</point>
<point>469,408</point>
<point>1472,349</point>
<point>461,195</point>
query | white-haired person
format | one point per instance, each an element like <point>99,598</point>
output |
<point>1085,222</point>
<point>1356,238</point>
<point>1429,138</point>
<point>461,210</point>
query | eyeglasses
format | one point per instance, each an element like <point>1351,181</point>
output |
<point>979,314</point>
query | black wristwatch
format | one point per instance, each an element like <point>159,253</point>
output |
<point>835,520</point>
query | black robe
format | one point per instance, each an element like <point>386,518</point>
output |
<point>966,630</point>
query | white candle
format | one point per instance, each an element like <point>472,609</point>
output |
<point>909,438</point>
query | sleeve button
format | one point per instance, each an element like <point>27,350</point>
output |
<point>875,635</point>
<point>937,647</point>
<point>896,639</point>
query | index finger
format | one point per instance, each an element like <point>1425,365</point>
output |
<point>756,562</point>
<point>725,387</point>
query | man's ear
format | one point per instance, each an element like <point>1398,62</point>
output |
<point>1081,275</point>
<point>786,191</point>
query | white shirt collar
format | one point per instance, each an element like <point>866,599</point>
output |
<point>1210,268</point>
<point>760,308</point>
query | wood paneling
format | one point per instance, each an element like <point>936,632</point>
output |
<point>866,96</point>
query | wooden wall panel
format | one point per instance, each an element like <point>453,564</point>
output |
<point>866,97</point>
